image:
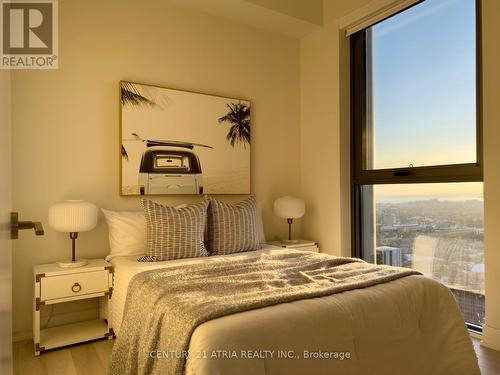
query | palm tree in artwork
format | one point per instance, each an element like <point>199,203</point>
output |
<point>131,95</point>
<point>124,153</point>
<point>239,119</point>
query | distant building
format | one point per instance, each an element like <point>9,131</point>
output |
<point>401,228</point>
<point>408,227</point>
<point>389,255</point>
<point>388,219</point>
<point>388,228</point>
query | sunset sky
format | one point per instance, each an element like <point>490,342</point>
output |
<point>425,92</point>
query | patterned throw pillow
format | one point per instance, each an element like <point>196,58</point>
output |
<point>232,228</point>
<point>174,233</point>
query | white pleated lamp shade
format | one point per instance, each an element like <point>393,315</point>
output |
<point>289,207</point>
<point>73,216</point>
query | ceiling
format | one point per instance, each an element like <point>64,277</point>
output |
<point>294,18</point>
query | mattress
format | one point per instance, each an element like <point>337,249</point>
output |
<point>125,267</point>
<point>407,326</point>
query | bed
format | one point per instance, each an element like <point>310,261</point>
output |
<point>410,325</point>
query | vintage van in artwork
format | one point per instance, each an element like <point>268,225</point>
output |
<point>170,167</point>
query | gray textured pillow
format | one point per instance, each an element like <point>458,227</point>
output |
<point>232,228</point>
<point>174,233</point>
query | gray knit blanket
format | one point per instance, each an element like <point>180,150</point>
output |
<point>164,306</point>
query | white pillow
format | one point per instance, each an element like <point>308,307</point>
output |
<point>127,232</point>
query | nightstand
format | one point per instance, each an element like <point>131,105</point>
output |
<point>303,245</point>
<point>53,284</point>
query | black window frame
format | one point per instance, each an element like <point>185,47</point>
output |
<point>361,177</point>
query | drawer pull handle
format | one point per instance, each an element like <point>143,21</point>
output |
<point>76,288</point>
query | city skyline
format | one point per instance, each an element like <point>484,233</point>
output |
<point>442,240</point>
<point>442,191</point>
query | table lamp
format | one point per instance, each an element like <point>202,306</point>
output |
<point>73,216</point>
<point>289,208</point>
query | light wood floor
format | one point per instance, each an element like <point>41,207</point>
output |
<point>85,359</point>
<point>489,360</point>
<point>93,358</point>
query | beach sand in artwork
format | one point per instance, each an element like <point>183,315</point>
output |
<point>233,183</point>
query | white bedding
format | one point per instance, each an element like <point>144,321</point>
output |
<point>407,326</point>
<point>125,267</point>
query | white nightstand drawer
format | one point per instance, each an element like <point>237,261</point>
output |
<point>61,286</point>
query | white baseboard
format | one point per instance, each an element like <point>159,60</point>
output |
<point>491,337</point>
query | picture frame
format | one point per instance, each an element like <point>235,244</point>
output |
<point>182,142</point>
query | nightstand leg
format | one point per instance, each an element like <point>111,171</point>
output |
<point>36,319</point>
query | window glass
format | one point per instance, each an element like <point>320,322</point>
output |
<point>171,161</point>
<point>421,87</point>
<point>436,229</point>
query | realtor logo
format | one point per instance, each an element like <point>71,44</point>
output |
<point>29,34</point>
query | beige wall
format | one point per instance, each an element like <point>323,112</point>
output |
<point>320,172</point>
<point>324,168</point>
<point>491,129</point>
<point>5,208</point>
<point>65,134</point>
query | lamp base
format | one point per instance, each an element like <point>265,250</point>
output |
<point>289,242</point>
<point>72,264</point>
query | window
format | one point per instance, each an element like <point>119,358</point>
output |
<point>416,146</point>
<point>172,161</point>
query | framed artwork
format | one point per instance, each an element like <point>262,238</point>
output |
<point>181,142</point>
